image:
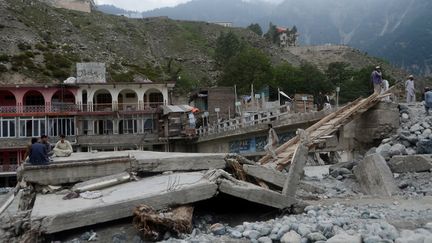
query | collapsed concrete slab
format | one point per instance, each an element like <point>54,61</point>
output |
<point>375,177</point>
<point>411,163</point>
<point>255,194</point>
<point>56,214</point>
<point>86,166</point>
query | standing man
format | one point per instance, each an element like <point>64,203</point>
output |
<point>384,88</point>
<point>410,89</point>
<point>376,78</point>
<point>428,100</point>
<point>272,141</point>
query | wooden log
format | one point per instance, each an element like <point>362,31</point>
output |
<point>153,225</point>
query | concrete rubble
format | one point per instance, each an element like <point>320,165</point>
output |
<point>375,177</point>
<point>385,196</point>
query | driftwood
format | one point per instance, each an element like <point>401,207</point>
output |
<point>153,225</point>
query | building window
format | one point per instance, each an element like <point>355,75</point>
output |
<point>32,127</point>
<point>7,129</point>
<point>61,125</point>
<point>103,127</point>
<point>129,126</point>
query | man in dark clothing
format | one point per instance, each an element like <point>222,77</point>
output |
<point>38,154</point>
<point>44,141</point>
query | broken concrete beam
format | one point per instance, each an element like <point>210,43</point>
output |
<point>266,174</point>
<point>161,162</point>
<point>71,172</point>
<point>255,194</point>
<point>100,183</point>
<point>296,170</point>
<point>86,166</point>
<point>375,177</point>
<point>276,178</point>
<point>411,163</point>
<point>153,225</point>
<point>56,214</point>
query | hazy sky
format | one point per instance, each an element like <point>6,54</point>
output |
<point>142,5</point>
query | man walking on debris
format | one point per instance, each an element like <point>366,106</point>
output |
<point>376,78</point>
<point>272,141</point>
<point>384,88</point>
<point>428,100</point>
<point>410,89</point>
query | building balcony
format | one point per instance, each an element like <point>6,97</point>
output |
<point>151,107</point>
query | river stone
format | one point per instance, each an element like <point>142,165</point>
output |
<point>411,163</point>
<point>397,149</point>
<point>424,146</point>
<point>316,236</point>
<point>265,240</point>
<point>218,229</point>
<point>416,128</point>
<point>251,234</point>
<point>345,238</point>
<point>291,237</point>
<point>384,150</point>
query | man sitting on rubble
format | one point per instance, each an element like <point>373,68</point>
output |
<point>38,154</point>
<point>63,148</point>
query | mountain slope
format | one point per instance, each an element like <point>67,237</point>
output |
<point>42,44</point>
<point>398,30</point>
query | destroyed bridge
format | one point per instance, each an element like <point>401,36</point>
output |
<point>123,180</point>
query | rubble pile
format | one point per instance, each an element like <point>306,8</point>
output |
<point>414,135</point>
<point>333,223</point>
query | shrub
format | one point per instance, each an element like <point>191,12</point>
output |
<point>3,68</point>
<point>24,46</point>
<point>4,58</point>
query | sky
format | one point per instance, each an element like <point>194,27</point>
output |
<point>143,5</point>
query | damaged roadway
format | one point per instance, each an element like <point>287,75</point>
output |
<point>51,213</point>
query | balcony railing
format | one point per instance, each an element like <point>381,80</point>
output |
<point>8,168</point>
<point>106,107</point>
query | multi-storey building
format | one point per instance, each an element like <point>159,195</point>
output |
<point>94,116</point>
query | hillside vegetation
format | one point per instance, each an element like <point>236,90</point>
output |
<point>40,44</point>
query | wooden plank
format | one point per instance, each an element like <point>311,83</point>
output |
<point>295,139</point>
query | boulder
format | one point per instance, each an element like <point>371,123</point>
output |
<point>375,177</point>
<point>384,150</point>
<point>397,149</point>
<point>424,146</point>
<point>345,238</point>
<point>410,163</point>
<point>291,237</point>
<point>416,128</point>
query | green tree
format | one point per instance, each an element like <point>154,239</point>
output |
<point>250,66</point>
<point>339,73</point>
<point>272,34</point>
<point>228,45</point>
<point>286,77</point>
<point>255,28</point>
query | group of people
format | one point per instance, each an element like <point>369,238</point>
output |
<point>381,86</point>
<point>39,152</point>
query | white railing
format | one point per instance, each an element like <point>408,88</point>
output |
<point>282,113</point>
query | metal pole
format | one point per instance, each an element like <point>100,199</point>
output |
<point>279,97</point>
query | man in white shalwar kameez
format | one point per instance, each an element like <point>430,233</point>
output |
<point>63,148</point>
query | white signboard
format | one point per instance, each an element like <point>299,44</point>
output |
<point>91,72</point>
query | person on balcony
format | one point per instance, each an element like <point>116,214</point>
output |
<point>63,148</point>
<point>272,142</point>
<point>38,154</point>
